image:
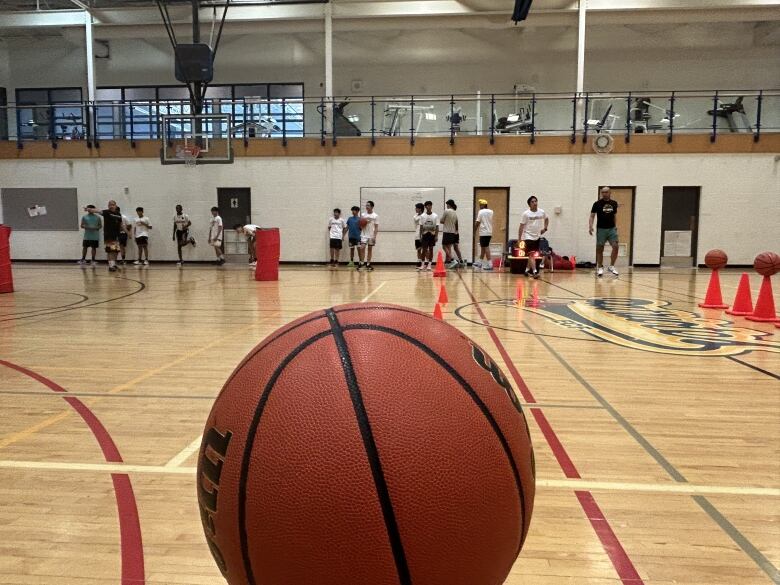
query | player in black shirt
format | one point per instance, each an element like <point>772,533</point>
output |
<point>112,226</point>
<point>604,210</point>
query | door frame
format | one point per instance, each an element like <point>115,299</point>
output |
<point>475,210</point>
<point>695,237</point>
<point>633,214</point>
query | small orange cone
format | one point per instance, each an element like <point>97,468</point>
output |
<point>743,302</point>
<point>714,298</point>
<point>444,299</point>
<point>439,269</point>
<point>437,314</point>
<point>765,304</point>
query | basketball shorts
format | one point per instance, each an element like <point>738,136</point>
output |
<point>417,244</point>
<point>141,241</point>
<point>354,242</point>
<point>607,235</point>
<point>449,239</point>
<point>216,243</point>
<point>112,246</point>
<point>366,241</point>
<point>123,238</point>
<point>182,236</point>
<point>336,244</point>
<point>428,240</point>
<point>484,241</point>
<point>90,244</point>
<point>531,246</point>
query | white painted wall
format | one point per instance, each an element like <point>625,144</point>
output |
<point>740,197</point>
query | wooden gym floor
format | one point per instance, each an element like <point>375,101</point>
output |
<point>657,431</point>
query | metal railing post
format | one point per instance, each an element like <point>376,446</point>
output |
<point>574,119</point>
<point>759,100</point>
<point>492,118</point>
<point>411,139</point>
<point>322,122</point>
<point>373,124</point>
<point>284,122</point>
<point>452,126</point>
<point>714,134</point>
<point>670,135</point>
<point>533,118</point>
<point>585,119</point>
<point>628,118</point>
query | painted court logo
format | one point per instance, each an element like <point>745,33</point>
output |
<point>652,326</point>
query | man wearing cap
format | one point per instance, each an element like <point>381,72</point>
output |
<point>484,228</point>
<point>604,211</point>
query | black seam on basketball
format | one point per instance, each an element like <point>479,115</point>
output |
<point>383,492</point>
<point>474,396</point>
<point>250,439</point>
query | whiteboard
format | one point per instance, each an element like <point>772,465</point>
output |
<point>395,205</point>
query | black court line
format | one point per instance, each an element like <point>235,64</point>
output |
<point>84,298</point>
<point>739,539</point>
<point>45,313</point>
<point>752,367</point>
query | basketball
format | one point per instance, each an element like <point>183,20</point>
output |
<point>363,222</point>
<point>716,259</point>
<point>366,444</point>
<point>767,263</point>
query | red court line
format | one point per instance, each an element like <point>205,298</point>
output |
<point>609,540</point>
<point>615,550</point>
<point>133,572</point>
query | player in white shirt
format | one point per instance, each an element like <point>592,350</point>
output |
<point>450,237</point>
<point>125,229</point>
<point>215,235</point>
<point>418,210</point>
<point>181,232</point>
<point>484,228</point>
<point>369,230</point>
<point>250,231</point>
<point>337,232</point>
<point>429,233</point>
<point>141,227</point>
<point>533,224</point>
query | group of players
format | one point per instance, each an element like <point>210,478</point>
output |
<point>360,230</point>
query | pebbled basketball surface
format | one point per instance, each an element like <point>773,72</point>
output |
<point>366,444</point>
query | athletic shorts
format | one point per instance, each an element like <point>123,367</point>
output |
<point>607,235</point>
<point>417,244</point>
<point>141,241</point>
<point>449,239</point>
<point>123,238</point>
<point>112,246</point>
<point>216,243</point>
<point>429,240</point>
<point>366,241</point>
<point>90,244</point>
<point>484,241</point>
<point>354,242</point>
<point>336,244</point>
<point>182,236</point>
<point>531,246</point>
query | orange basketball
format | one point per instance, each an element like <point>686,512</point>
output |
<point>366,444</point>
<point>716,259</point>
<point>767,263</point>
<point>363,222</point>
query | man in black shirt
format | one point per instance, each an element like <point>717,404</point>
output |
<point>604,210</point>
<point>112,226</point>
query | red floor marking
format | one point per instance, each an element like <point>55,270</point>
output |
<point>129,524</point>
<point>617,554</point>
<point>615,551</point>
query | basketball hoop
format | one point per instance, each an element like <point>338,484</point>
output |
<point>189,154</point>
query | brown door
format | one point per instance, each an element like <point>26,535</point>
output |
<point>498,201</point>
<point>624,222</point>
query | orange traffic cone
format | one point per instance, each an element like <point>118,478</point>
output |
<point>714,298</point>
<point>439,270</point>
<point>743,302</point>
<point>765,304</point>
<point>444,299</point>
<point>437,314</point>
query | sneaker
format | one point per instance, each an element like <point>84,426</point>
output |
<point>600,271</point>
<point>369,267</point>
<point>358,266</point>
<point>82,261</point>
<point>421,266</point>
<point>613,270</point>
<point>122,262</point>
<point>487,267</point>
<point>351,264</point>
<point>476,266</point>
<point>428,266</point>
<point>464,263</point>
<point>146,263</point>
<point>453,264</point>
<point>192,241</point>
<point>527,272</point>
<point>536,274</point>
<point>253,264</point>
<point>137,263</point>
<point>112,269</point>
<point>179,263</point>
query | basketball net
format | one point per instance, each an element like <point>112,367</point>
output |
<point>190,154</point>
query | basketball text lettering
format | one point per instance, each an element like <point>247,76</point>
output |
<point>208,487</point>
